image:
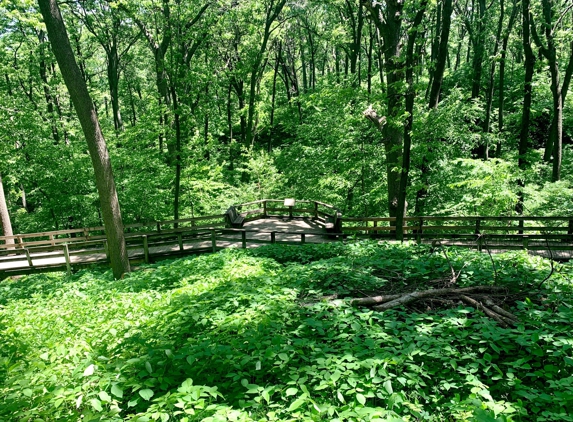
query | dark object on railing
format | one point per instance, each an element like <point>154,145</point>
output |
<point>234,219</point>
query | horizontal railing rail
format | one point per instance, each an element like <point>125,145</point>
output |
<point>150,239</point>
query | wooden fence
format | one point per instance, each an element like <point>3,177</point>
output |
<point>148,240</point>
<point>528,232</point>
<point>325,215</point>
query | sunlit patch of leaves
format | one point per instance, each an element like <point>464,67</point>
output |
<point>240,335</point>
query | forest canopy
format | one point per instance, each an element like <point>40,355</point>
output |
<point>455,107</point>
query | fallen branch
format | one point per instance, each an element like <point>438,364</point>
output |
<point>501,320</point>
<point>406,298</point>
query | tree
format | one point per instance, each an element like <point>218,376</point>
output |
<point>97,147</point>
<point>442,37</point>
<point>549,51</point>
<point>5,216</point>
<point>527,97</point>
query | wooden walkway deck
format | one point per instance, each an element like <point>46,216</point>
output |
<point>266,222</point>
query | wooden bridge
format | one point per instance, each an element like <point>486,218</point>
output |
<point>271,221</point>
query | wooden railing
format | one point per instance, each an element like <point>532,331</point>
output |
<point>148,240</point>
<point>73,246</point>
<point>527,232</point>
<point>324,214</point>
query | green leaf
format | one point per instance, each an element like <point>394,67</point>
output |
<point>104,396</point>
<point>297,403</point>
<point>116,391</point>
<point>89,370</point>
<point>148,367</point>
<point>291,391</point>
<point>96,404</point>
<point>146,394</point>
<point>388,386</point>
<point>361,399</point>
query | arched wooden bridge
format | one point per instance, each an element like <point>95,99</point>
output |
<point>278,221</point>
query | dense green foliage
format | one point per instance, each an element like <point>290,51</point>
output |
<point>249,335</point>
<point>268,98</point>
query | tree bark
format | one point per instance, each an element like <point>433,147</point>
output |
<point>527,97</point>
<point>549,51</point>
<point>442,54</point>
<point>90,125</point>
<point>410,97</point>
<point>273,12</point>
<point>502,61</point>
<point>5,216</point>
<point>390,26</point>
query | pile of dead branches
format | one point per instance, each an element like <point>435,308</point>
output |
<point>479,297</point>
<point>491,300</point>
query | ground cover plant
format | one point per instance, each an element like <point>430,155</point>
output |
<point>270,334</point>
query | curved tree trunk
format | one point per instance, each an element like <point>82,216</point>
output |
<point>94,137</point>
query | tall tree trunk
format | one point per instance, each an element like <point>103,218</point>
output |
<point>410,97</point>
<point>90,125</point>
<point>370,62</point>
<point>527,97</point>
<point>490,83</point>
<point>257,69</point>
<point>177,154</point>
<point>502,62</point>
<point>549,51</point>
<point>5,216</point>
<point>113,81</point>
<point>390,26</point>
<point>441,54</point>
<point>479,48</point>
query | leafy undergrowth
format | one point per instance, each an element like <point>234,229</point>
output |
<point>243,335</point>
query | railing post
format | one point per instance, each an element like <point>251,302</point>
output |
<point>244,239</point>
<point>419,234</point>
<point>478,224</point>
<point>67,258</point>
<point>480,242</point>
<point>525,242</point>
<point>28,257</point>
<point>570,231</point>
<point>180,240</point>
<point>315,210</point>
<point>51,237</point>
<point>213,240</point>
<point>106,249</point>
<point>145,249</point>
<point>375,226</point>
<point>302,238</point>
<point>158,227</point>
<point>273,237</point>
<point>265,214</point>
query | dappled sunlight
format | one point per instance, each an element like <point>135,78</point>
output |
<point>242,336</point>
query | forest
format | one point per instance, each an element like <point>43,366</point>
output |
<point>115,113</point>
<point>206,104</point>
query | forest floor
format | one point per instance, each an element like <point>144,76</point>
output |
<point>272,334</point>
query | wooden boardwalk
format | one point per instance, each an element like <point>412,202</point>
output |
<point>253,234</point>
<point>272,221</point>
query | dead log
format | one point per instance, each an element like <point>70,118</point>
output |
<point>500,311</point>
<point>406,298</point>
<point>373,300</point>
<point>503,321</point>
